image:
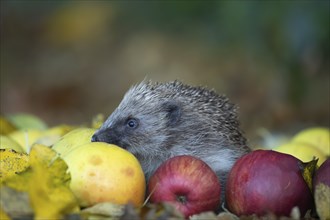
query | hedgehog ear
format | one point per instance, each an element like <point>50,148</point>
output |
<point>173,111</point>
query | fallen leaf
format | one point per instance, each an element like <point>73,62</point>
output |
<point>15,203</point>
<point>11,163</point>
<point>322,201</point>
<point>205,215</point>
<point>46,183</point>
<point>105,209</point>
<point>159,211</point>
<point>27,121</point>
<point>308,172</point>
<point>5,126</point>
<point>51,197</point>
<point>227,216</point>
<point>3,215</point>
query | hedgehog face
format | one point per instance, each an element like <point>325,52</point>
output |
<point>143,132</point>
<point>123,132</point>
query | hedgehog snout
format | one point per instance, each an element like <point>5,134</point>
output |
<point>108,136</point>
<point>95,138</point>
<point>101,136</point>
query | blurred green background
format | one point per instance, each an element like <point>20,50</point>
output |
<point>66,61</point>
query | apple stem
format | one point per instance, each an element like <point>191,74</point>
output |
<point>182,199</point>
<point>148,198</point>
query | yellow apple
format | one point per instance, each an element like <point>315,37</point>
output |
<point>102,172</point>
<point>303,151</point>
<point>73,139</point>
<point>318,136</point>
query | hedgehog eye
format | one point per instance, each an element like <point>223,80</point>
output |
<point>132,123</point>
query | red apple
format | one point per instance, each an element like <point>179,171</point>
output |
<point>186,182</point>
<point>266,181</point>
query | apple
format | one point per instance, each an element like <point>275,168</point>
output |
<point>322,175</point>
<point>186,182</point>
<point>316,136</point>
<point>321,187</point>
<point>73,139</point>
<point>102,172</point>
<point>266,181</point>
<point>302,150</point>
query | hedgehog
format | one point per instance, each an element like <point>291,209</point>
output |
<point>157,121</point>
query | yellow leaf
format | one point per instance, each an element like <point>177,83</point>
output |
<point>26,138</point>
<point>308,172</point>
<point>11,163</point>
<point>20,181</point>
<point>5,126</point>
<point>3,215</point>
<point>51,197</point>
<point>46,183</point>
<point>8,143</point>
